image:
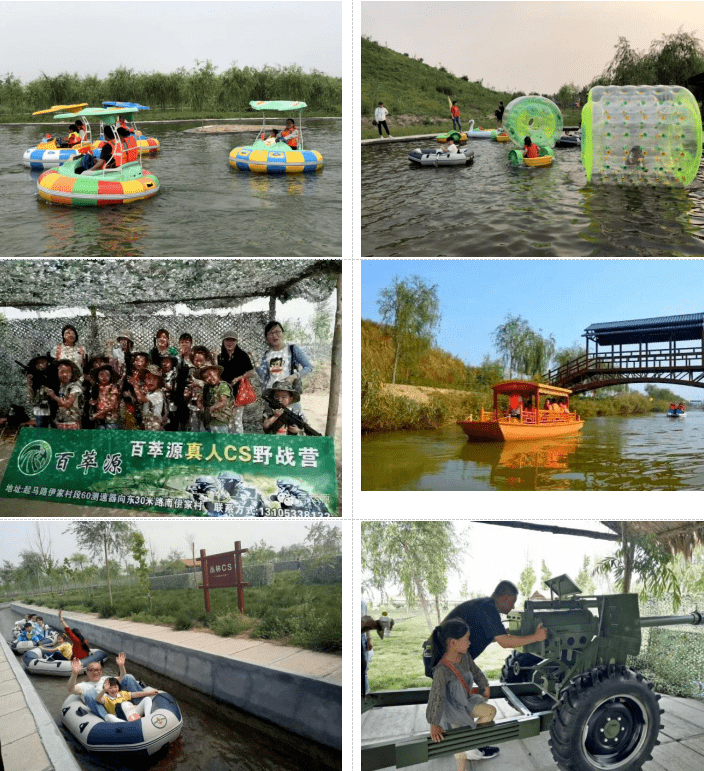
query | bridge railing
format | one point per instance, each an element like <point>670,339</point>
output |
<point>677,358</point>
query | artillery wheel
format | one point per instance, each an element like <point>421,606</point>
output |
<point>606,719</point>
<point>513,671</point>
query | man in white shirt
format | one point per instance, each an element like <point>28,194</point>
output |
<point>380,117</point>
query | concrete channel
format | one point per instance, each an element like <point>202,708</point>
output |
<point>298,690</point>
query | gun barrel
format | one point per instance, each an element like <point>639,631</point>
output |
<point>694,619</point>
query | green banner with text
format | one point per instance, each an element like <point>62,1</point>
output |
<point>192,474</point>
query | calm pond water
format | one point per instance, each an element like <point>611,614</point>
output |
<point>639,453</point>
<point>491,209</point>
<point>215,737</point>
<point>204,208</point>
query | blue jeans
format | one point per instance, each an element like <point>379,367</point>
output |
<point>109,426</point>
<point>458,123</point>
<point>128,683</point>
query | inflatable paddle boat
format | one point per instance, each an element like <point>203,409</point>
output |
<point>456,137</point>
<point>125,184</point>
<point>35,662</point>
<point>502,138</point>
<point>141,738</point>
<point>515,158</point>
<point>47,153</point>
<point>276,158</point>
<point>480,133</point>
<point>21,646</point>
<point>145,144</point>
<point>569,140</point>
<point>435,156</point>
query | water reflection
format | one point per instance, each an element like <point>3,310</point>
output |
<point>644,453</point>
<point>499,209</point>
<point>103,231</point>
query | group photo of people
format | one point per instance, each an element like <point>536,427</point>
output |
<point>178,385</point>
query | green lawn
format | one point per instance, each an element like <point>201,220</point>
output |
<point>398,664</point>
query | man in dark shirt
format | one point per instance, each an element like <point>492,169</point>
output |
<point>482,616</point>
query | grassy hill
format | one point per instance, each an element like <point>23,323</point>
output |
<point>409,87</point>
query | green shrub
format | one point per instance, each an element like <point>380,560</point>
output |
<point>183,620</point>
<point>231,624</point>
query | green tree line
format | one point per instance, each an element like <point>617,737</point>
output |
<point>201,88</point>
<point>670,61</point>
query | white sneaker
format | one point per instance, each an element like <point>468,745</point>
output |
<point>482,753</point>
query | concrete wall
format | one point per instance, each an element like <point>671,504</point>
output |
<point>309,706</point>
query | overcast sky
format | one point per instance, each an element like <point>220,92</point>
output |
<point>164,36</point>
<point>524,46</point>
<point>498,553</point>
<point>213,535</point>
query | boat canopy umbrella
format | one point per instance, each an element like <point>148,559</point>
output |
<point>107,116</point>
<point>281,106</point>
<point>526,388</point>
<point>127,106</point>
<point>72,108</point>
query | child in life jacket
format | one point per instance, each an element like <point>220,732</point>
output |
<point>454,700</point>
<point>119,704</point>
<point>530,150</point>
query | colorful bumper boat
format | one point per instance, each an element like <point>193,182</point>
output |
<point>145,144</point>
<point>140,738</point>
<point>277,158</point>
<point>35,662</point>
<point>48,154</point>
<point>125,184</point>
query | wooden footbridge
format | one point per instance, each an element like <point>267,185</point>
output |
<point>638,351</point>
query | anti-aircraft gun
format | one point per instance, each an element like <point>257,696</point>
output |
<point>601,714</point>
<point>605,715</point>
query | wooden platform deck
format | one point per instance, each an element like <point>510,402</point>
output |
<point>681,745</point>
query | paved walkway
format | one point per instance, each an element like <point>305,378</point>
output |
<point>681,739</point>
<point>284,657</point>
<point>28,734</point>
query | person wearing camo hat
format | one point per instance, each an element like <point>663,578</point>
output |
<point>70,398</point>
<point>288,395</point>
<point>151,396</point>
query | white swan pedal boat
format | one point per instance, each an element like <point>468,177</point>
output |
<point>142,737</point>
<point>33,661</point>
<point>434,156</point>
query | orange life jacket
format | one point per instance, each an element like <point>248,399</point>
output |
<point>130,149</point>
<point>73,139</point>
<point>293,133</point>
<point>117,153</point>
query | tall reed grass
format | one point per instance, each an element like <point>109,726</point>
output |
<point>199,89</point>
<point>309,616</point>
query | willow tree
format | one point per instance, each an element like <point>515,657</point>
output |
<point>417,556</point>
<point>410,308</point>
<point>521,348</point>
<point>109,537</point>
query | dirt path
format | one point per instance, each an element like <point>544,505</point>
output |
<point>419,394</point>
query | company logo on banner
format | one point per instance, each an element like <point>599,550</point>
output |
<point>202,474</point>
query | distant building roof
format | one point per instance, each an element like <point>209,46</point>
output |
<point>655,330</point>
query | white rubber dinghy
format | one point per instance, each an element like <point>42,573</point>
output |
<point>432,156</point>
<point>33,661</point>
<point>143,737</point>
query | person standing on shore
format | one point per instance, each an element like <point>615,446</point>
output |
<point>499,114</point>
<point>455,115</point>
<point>380,118</point>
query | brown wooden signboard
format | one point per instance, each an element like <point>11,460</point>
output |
<point>223,570</point>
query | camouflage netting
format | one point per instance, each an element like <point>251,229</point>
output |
<point>673,656</point>
<point>21,339</point>
<point>202,284</point>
